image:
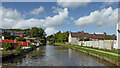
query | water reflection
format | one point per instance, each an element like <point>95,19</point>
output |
<point>54,56</point>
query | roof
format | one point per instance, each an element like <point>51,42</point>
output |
<point>82,35</point>
<point>96,36</point>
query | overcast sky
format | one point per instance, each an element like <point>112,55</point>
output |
<point>90,17</point>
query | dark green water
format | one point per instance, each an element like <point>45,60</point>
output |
<point>50,55</point>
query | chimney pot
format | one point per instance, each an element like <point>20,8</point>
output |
<point>82,31</point>
<point>104,33</point>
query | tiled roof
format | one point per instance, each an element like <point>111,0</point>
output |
<point>81,35</point>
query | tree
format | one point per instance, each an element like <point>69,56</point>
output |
<point>21,39</point>
<point>58,37</point>
<point>9,37</point>
<point>86,39</point>
<point>107,37</point>
<point>7,46</point>
<point>37,33</point>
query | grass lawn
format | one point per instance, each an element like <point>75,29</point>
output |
<point>112,51</point>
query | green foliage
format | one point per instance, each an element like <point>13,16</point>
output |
<point>37,33</point>
<point>86,39</point>
<point>33,32</point>
<point>21,39</point>
<point>14,29</point>
<point>107,37</point>
<point>9,37</point>
<point>51,39</point>
<point>82,44</point>
<point>81,39</point>
<point>58,37</point>
<point>7,46</point>
<point>32,46</point>
<point>18,50</point>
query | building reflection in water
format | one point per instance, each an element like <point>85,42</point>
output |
<point>26,56</point>
<point>38,49</point>
<point>70,53</point>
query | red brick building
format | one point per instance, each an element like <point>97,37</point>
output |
<point>24,44</point>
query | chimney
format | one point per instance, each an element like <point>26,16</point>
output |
<point>113,34</point>
<point>104,33</point>
<point>82,31</point>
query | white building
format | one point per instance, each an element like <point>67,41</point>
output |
<point>118,35</point>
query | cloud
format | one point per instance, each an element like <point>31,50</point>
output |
<point>10,17</point>
<point>56,20</point>
<point>104,18</point>
<point>0,17</point>
<point>72,3</point>
<point>50,31</point>
<point>57,9</point>
<point>14,19</point>
<point>36,11</point>
<point>71,18</point>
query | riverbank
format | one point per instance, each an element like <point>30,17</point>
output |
<point>103,55</point>
<point>6,56</point>
<point>13,55</point>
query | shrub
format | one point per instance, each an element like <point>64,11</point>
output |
<point>32,46</point>
<point>9,36</point>
<point>18,50</point>
<point>21,39</point>
<point>7,46</point>
<point>86,39</point>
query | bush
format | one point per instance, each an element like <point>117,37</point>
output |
<point>21,39</point>
<point>86,39</point>
<point>9,37</point>
<point>18,50</point>
<point>32,46</point>
<point>7,46</point>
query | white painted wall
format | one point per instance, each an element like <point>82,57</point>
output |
<point>69,38</point>
<point>118,35</point>
<point>101,44</point>
<point>73,40</point>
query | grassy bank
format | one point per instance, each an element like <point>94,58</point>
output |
<point>113,57</point>
<point>0,52</point>
<point>112,51</point>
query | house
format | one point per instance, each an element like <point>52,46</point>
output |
<point>76,36</point>
<point>15,33</point>
<point>33,41</point>
<point>24,44</point>
<point>29,39</point>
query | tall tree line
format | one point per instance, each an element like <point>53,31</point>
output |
<point>59,37</point>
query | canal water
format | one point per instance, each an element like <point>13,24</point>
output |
<point>50,55</point>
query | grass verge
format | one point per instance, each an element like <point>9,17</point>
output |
<point>0,52</point>
<point>112,51</point>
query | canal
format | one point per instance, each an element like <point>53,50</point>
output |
<point>50,55</point>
